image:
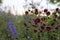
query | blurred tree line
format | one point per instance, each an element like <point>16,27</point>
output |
<point>55,2</point>
<point>52,1</point>
<point>0,1</point>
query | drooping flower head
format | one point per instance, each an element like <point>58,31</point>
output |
<point>36,11</point>
<point>26,12</point>
<point>45,10</point>
<point>48,28</point>
<point>48,13</point>
<point>55,15</point>
<point>42,27</point>
<point>25,24</point>
<point>37,20</point>
<point>57,9</point>
<point>53,23</point>
<point>35,30</point>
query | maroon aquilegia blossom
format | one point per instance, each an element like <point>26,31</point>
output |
<point>35,30</point>
<point>25,24</point>
<point>53,23</point>
<point>37,20</point>
<point>26,12</point>
<point>42,27</point>
<point>55,15</point>
<point>48,13</point>
<point>48,28</point>
<point>36,11</point>
<point>57,9</point>
<point>45,10</point>
<point>56,28</point>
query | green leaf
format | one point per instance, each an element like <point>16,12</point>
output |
<point>52,1</point>
<point>0,1</point>
<point>49,21</point>
<point>58,0</point>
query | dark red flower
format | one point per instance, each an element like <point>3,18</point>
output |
<point>54,20</point>
<point>43,19</point>
<point>48,28</point>
<point>55,15</point>
<point>41,31</point>
<point>45,10</point>
<point>56,28</point>
<point>35,30</point>
<point>47,13</point>
<point>42,27</point>
<point>37,20</point>
<point>25,24</point>
<point>57,9</point>
<point>53,23</point>
<point>35,26</point>
<point>44,24</point>
<point>29,10</point>
<point>26,12</point>
<point>36,11</point>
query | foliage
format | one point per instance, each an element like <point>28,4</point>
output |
<point>52,1</point>
<point>0,1</point>
<point>28,29</point>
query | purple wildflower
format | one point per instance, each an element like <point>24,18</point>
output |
<point>12,29</point>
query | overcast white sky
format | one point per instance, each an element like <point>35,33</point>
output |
<point>18,4</point>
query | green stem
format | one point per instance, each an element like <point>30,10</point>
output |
<point>38,35</point>
<point>48,33</point>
